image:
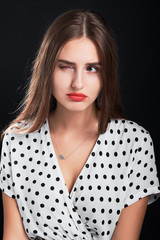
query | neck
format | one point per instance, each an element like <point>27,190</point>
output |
<point>74,120</point>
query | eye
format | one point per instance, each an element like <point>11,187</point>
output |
<point>65,67</point>
<point>92,69</point>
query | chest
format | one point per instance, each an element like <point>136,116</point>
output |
<point>76,157</point>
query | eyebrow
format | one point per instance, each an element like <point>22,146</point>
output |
<point>73,64</point>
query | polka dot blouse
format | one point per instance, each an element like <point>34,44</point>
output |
<point>119,171</point>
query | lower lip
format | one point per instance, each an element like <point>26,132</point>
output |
<point>77,98</point>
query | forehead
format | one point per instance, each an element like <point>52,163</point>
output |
<point>79,50</point>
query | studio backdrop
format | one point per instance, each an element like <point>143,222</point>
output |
<point>135,28</point>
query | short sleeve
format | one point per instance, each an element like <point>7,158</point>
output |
<point>6,180</point>
<point>141,178</point>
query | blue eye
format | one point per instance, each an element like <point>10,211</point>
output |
<point>92,69</point>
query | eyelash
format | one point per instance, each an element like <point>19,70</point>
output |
<point>96,68</point>
<point>65,67</point>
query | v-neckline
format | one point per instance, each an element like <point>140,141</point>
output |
<point>58,166</point>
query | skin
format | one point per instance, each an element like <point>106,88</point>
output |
<point>76,120</point>
<point>76,71</point>
<point>13,226</point>
<point>130,221</point>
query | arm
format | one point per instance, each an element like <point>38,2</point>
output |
<point>130,221</point>
<point>13,226</point>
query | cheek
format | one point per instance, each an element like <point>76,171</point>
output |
<point>99,84</point>
<point>59,82</point>
<point>95,86</point>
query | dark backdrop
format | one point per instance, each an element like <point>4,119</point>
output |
<point>135,26</point>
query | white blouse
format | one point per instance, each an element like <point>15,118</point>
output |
<point>119,171</point>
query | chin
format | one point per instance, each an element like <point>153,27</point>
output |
<point>76,107</point>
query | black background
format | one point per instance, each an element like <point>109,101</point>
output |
<point>135,26</point>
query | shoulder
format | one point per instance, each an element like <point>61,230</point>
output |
<point>12,133</point>
<point>129,130</point>
<point>127,126</point>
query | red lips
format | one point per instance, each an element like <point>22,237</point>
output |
<point>77,96</point>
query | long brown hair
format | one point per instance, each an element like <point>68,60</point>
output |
<point>39,102</point>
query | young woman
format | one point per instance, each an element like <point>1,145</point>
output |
<point>72,166</point>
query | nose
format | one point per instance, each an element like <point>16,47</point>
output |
<point>78,80</point>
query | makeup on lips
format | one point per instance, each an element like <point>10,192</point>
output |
<point>77,96</point>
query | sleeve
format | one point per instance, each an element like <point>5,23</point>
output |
<point>6,180</point>
<point>141,178</point>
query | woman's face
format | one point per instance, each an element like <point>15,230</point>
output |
<point>76,79</point>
